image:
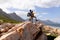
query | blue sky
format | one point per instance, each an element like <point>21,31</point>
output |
<point>44,9</point>
<point>53,12</point>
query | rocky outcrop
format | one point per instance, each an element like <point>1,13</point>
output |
<point>51,30</point>
<point>57,38</point>
<point>14,16</point>
<point>10,36</point>
<point>25,31</point>
<point>5,27</point>
<point>10,17</point>
<point>15,27</point>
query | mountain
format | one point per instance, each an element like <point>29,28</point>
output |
<point>51,23</point>
<point>9,17</point>
<point>14,16</point>
<point>24,31</point>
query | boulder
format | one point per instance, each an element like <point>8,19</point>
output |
<point>58,31</point>
<point>42,37</point>
<point>25,31</point>
<point>10,36</point>
<point>57,38</point>
<point>15,27</point>
<point>5,27</point>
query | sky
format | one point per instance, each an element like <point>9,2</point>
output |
<point>43,9</point>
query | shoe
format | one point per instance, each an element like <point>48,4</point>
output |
<point>36,20</point>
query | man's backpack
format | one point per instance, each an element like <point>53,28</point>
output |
<point>29,14</point>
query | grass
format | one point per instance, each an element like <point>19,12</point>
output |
<point>50,36</point>
<point>7,20</point>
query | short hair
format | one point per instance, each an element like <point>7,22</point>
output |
<point>30,10</point>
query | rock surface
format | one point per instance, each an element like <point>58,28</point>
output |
<point>4,27</point>
<point>57,38</point>
<point>25,31</point>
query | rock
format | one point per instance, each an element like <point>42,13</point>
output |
<point>47,28</point>
<point>30,31</point>
<point>58,31</point>
<point>25,31</point>
<point>27,34</point>
<point>57,38</point>
<point>42,37</point>
<point>15,35</point>
<point>5,27</point>
<point>15,27</point>
<point>9,25</point>
<point>2,30</point>
<point>10,36</point>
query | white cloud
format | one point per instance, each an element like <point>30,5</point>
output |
<point>21,14</point>
<point>44,13</point>
<point>29,4</point>
<point>48,3</point>
<point>21,4</point>
<point>7,11</point>
<point>57,19</point>
<point>3,1</point>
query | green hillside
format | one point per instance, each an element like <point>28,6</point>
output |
<point>11,18</point>
<point>6,19</point>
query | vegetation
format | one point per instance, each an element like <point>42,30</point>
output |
<point>50,36</point>
<point>5,19</point>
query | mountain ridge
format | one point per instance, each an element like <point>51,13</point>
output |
<point>50,23</point>
<point>15,17</point>
<point>9,17</point>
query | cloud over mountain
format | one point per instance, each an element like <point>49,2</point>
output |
<point>29,4</point>
<point>18,5</point>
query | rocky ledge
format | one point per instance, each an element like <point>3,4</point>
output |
<point>25,31</point>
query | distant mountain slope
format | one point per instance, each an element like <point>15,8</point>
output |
<point>48,22</point>
<point>15,17</point>
<point>9,18</point>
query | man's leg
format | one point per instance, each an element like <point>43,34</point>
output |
<point>35,18</point>
<point>32,19</point>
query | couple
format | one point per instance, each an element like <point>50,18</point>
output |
<point>31,16</point>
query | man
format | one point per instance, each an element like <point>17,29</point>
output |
<point>31,15</point>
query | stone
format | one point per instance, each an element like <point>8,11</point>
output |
<point>10,36</point>
<point>25,31</point>
<point>57,38</point>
